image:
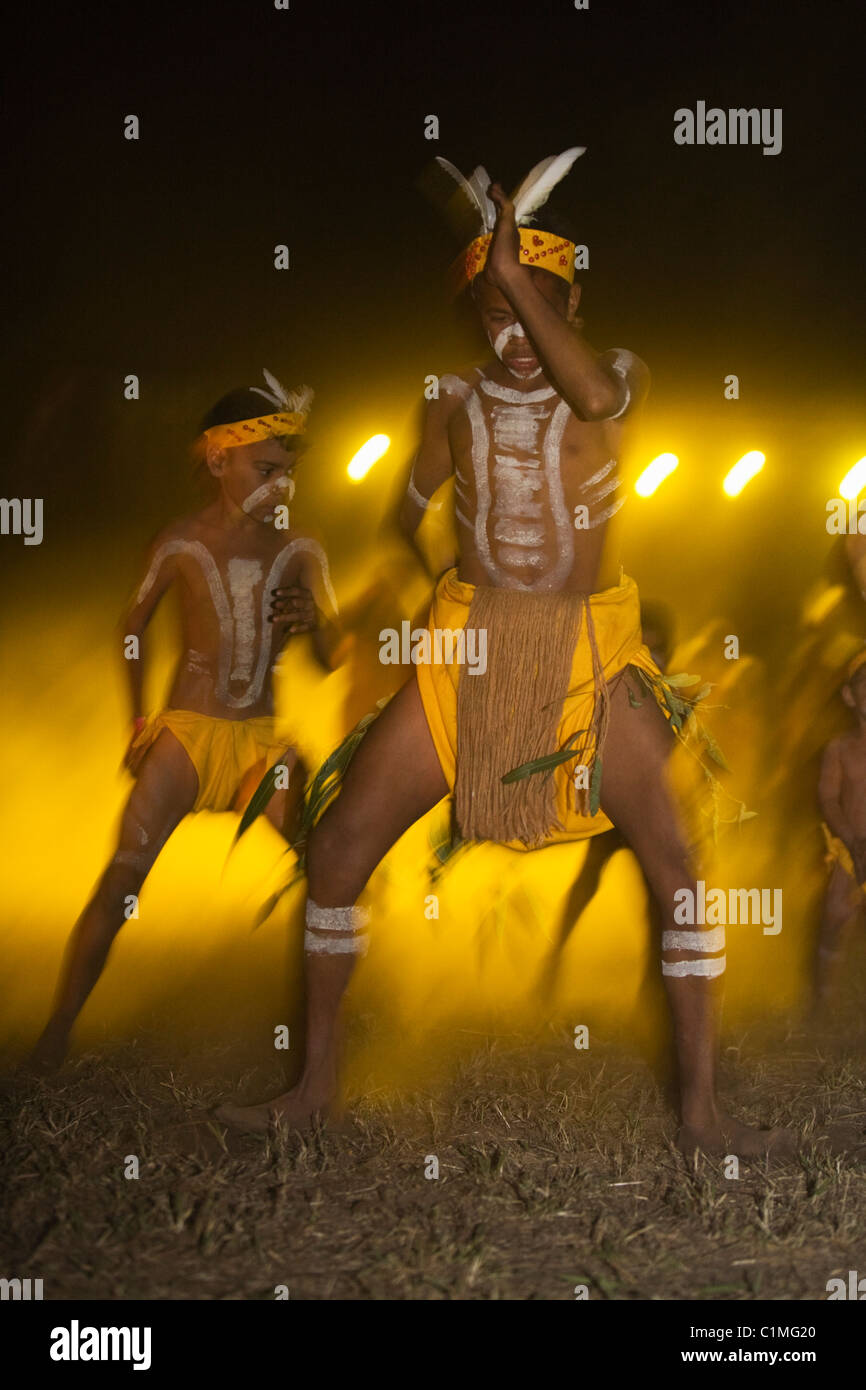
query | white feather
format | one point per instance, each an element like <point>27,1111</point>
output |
<point>474,190</point>
<point>540,182</point>
<point>479,180</point>
<point>298,400</point>
<point>277,393</point>
<point>276,386</point>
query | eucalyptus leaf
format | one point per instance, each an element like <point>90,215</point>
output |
<point>261,797</point>
<point>681,678</point>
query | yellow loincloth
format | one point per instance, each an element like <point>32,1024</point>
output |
<point>615,621</point>
<point>838,853</point>
<point>226,753</point>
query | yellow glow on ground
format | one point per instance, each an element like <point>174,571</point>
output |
<point>367,455</point>
<point>489,946</point>
<point>854,481</point>
<point>743,471</point>
<point>655,473</point>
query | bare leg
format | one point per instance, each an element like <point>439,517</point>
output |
<point>164,792</point>
<point>600,850</point>
<point>636,797</point>
<point>393,779</point>
<point>842,902</point>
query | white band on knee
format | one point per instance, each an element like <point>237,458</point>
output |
<point>707,967</point>
<point>344,925</point>
<point>704,941</point>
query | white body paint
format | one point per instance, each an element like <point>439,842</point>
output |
<point>709,969</point>
<point>348,925</point>
<point>516,438</point>
<point>522,530</point>
<point>244,575</point>
<point>280,490</point>
<point>238,660</point>
<point>501,341</point>
<point>600,485</point>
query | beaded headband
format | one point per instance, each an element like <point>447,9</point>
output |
<point>291,418</point>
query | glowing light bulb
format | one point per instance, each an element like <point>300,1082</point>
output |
<point>655,473</point>
<point>367,455</point>
<point>854,480</point>
<point>743,471</point>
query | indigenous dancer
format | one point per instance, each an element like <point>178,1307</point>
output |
<point>534,440</point>
<point>208,749</point>
<point>842,797</point>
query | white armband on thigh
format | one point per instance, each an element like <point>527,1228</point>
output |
<point>705,942</point>
<point>336,930</point>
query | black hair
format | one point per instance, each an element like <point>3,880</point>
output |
<point>241,404</point>
<point>556,223</point>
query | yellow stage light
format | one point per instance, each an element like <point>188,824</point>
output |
<point>854,481</point>
<point>655,473</point>
<point>367,455</point>
<point>743,471</point>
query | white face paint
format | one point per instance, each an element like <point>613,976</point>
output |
<point>282,489</point>
<point>500,342</point>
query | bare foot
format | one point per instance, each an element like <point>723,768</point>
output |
<point>724,1136</point>
<point>47,1056</point>
<point>297,1109</point>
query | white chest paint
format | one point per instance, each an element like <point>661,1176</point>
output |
<point>516,440</point>
<point>244,575</point>
<point>244,658</point>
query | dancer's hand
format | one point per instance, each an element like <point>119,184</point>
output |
<point>294,609</point>
<point>503,258</point>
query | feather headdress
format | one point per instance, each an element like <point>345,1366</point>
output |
<point>531,194</point>
<point>540,182</point>
<point>290,417</point>
<point>541,249</point>
<point>292,402</point>
<point>474,190</point>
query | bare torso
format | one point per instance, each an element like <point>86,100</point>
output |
<point>847,757</point>
<point>224,577</point>
<point>537,489</point>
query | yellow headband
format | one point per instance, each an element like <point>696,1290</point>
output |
<point>855,664</point>
<point>249,431</point>
<point>541,249</point>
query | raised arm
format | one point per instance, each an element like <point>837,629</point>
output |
<point>597,386</point>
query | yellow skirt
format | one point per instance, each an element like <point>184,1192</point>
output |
<point>230,756</point>
<point>616,622</point>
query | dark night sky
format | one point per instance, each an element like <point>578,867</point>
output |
<point>306,127</point>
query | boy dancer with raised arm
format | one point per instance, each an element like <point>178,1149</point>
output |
<point>534,440</point>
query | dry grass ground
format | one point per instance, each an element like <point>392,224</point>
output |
<point>556,1168</point>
